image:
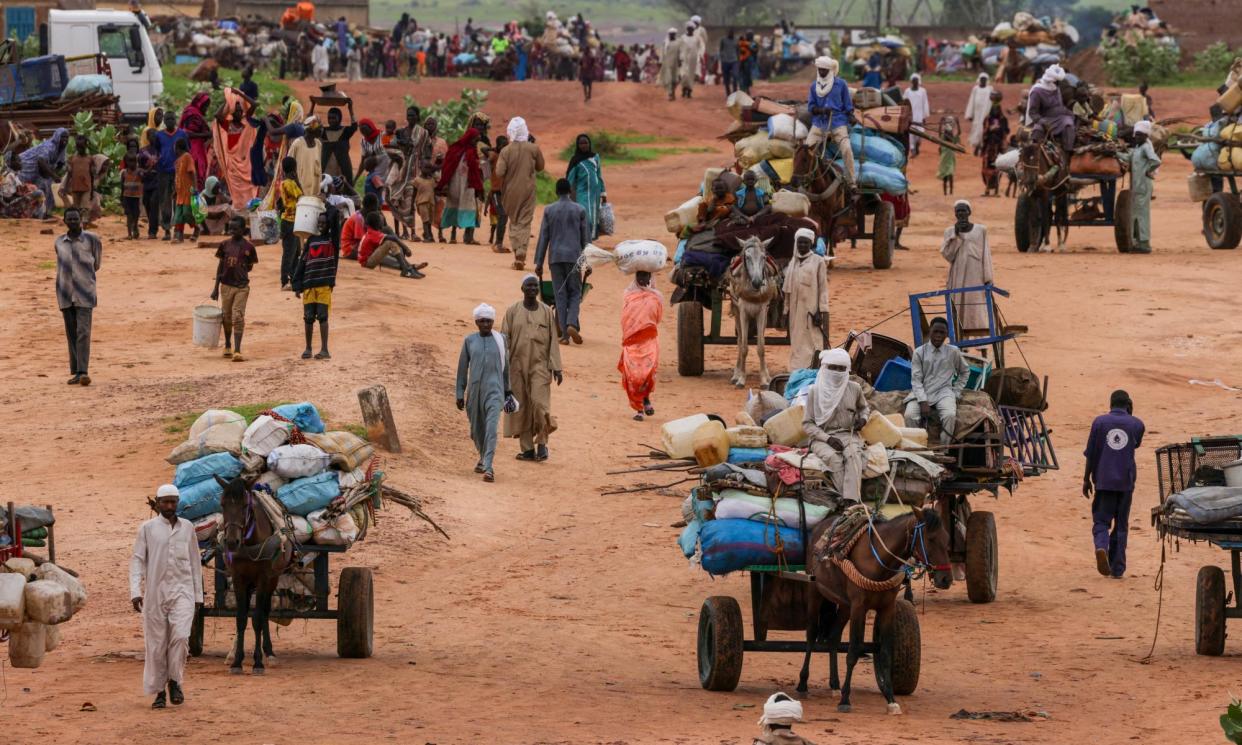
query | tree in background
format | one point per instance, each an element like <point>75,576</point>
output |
<point>738,13</point>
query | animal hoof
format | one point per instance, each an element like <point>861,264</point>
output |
<point>235,671</point>
<point>844,708</point>
<point>894,709</point>
<point>258,671</point>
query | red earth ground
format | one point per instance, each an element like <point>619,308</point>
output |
<point>556,614</point>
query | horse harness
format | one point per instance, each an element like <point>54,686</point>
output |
<point>272,548</point>
<point>908,568</point>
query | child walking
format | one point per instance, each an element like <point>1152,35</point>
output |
<point>237,258</point>
<point>313,280</point>
<point>948,157</point>
<point>425,201</point>
<point>184,182</point>
<point>290,193</point>
<point>80,178</point>
<point>131,190</point>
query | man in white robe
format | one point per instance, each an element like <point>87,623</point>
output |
<point>966,249</point>
<point>670,64</point>
<point>689,61</point>
<point>920,108</point>
<point>806,297</point>
<point>166,560</point>
<point>977,108</point>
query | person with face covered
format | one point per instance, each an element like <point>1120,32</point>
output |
<point>834,415</point>
<point>165,585</point>
<point>806,298</point>
<point>832,112</point>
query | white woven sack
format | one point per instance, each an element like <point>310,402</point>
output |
<point>297,461</point>
<point>264,435</point>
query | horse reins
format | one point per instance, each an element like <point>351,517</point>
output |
<point>247,529</point>
<point>909,567</point>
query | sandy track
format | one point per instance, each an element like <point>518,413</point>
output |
<point>557,615</point>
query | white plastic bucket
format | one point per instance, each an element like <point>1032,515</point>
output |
<point>208,320</point>
<point>307,221</point>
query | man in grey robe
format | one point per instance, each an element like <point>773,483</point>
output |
<point>835,412</point>
<point>938,375</point>
<point>483,386</point>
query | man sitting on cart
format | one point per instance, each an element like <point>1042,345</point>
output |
<point>1047,115</point>
<point>835,412</point>
<point>832,113</point>
<point>938,375</point>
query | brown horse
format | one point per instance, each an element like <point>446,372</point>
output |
<point>256,557</point>
<point>820,181</point>
<point>869,578</point>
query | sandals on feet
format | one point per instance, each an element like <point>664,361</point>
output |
<point>489,477</point>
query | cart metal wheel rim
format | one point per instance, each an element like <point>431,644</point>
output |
<point>1216,218</point>
<point>707,646</point>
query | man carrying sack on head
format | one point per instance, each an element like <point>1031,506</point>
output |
<point>166,559</point>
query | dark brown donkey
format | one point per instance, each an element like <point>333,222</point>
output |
<point>825,187</point>
<point>256,559</point>
<point>868,577</point>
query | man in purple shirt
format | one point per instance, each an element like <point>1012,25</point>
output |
<point>1110,473</point>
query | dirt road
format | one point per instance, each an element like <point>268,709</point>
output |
<point>558,615</point>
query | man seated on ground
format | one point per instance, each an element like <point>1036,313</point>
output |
<point>355,226</point>
<point>380,248</point>
<point>835,412</point>
<point>938,375</point>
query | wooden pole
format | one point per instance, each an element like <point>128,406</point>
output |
<point>377,416</point>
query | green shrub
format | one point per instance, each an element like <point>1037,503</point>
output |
<point>1146,61</point>
<point>452,115</point>
<point>1215,59</point>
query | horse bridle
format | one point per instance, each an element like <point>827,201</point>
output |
<point>916,545</point>
<point>247,529</point>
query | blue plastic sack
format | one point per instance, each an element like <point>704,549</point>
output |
<point>869,146</point>
<point>224,465</point>
<point>799,379</point>
<point>303,496</point>
<point>1206,157</point>
<point>876,176</point>
<point>747,455</point>
<point>730,545</point>
<point>304,416</point>
<point>200,500</point>
<point>690,537</point>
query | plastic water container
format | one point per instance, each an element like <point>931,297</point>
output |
<point>711,444</point>
<point>27,644</point>
<point>880,429</point>
<point>894,376</point>
<point>307,221</point>
<point>677,436</point>
<point>1233,473</point>
<point>208,320</point>
<point>785,427</point>
<point>12,599</point>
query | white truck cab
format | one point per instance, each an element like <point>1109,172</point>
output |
<point>117,34</point>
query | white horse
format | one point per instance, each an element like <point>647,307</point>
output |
<point>754,280</point>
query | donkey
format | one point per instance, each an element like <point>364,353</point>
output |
<point>877,557</point>
<point>754,280</point>
<point>824,185</point>
<point>256,557</point>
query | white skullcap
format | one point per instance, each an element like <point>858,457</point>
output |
<point>167,490</point>
<point>310,121</point>
<point>696,19</point>
<point>485,311</point>
<point>804,233</point>
<point>530,277</point>
<point>1143,127</point>
<point>782,712</point>
<point>962,203</point>
<point>917,77</point>
<point>672,30</point>
<point>826,63</point>
<point>517,130</point>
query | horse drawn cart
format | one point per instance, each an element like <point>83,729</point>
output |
<point>354,612</point>
<point>1194,507</point>
<point>1091,196</point>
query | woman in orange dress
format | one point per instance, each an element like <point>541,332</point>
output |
<point>641,311</point>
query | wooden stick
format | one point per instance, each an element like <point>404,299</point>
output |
<point>920,132</point>
<point>412,504</point>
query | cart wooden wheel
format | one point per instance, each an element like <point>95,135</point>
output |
<point>720,643</point>
<point>355,621</point>
<point>981,562</point>
<point>907,649</point>
<point>1123,223</point>
<point>196,633</point>
<point>1222,221</point>
<point>1210,611</point>
<point>1028,223</point>
<point>883,235</point>
<point>690,339</point>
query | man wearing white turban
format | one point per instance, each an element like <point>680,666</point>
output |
<point>835,412</point>
<point>806,297</point>
<point>691,52</point>
<point>514,179</point>
<point>483,385</point>
<point>977,108</point>
<point>832,112</point>
<point>965,247</point>
<point>1047,114</point>
<point>1143,164</point>
<point>670,63</point>
<point>780,713</point>
<point>534,362</point>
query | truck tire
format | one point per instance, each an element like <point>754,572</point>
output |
<point>1222,221</point>
<point>1210,612</point>
<point>1123,222</point>
<point>355,621</point>
<point>720,643</point>
<point>690,339</point>
<point>883,235</point>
